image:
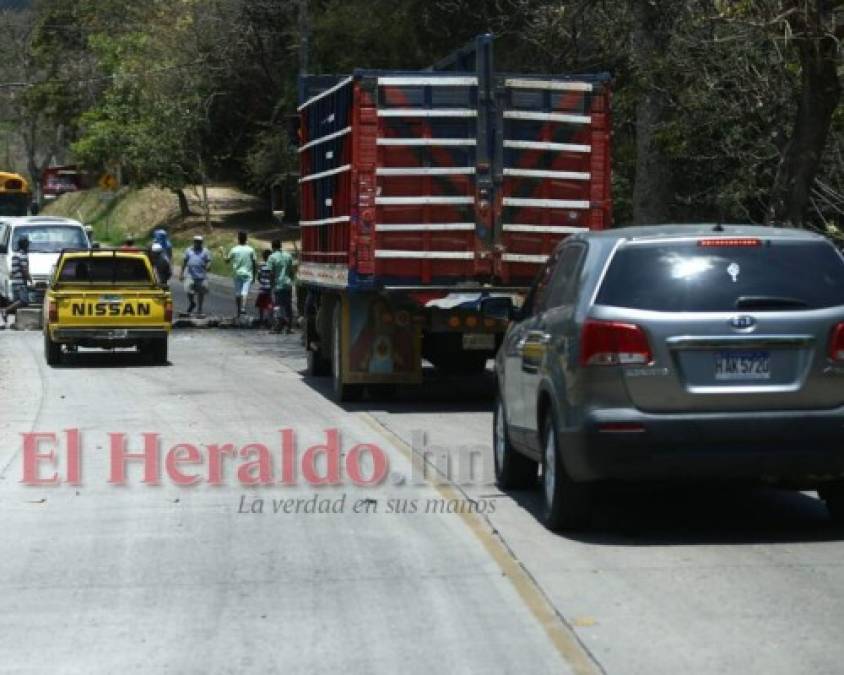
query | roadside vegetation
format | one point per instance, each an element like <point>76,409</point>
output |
<point>722,109</point>
<point>138,212</point>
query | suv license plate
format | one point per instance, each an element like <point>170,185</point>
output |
<point>743,366</point>
<point>479,341</point>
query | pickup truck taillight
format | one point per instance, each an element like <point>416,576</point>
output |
<point>168,312</point>
<point>836,342</point>
<point>608,343</point>
<point>52,311</point>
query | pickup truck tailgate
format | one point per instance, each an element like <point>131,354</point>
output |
<point>110,307</point>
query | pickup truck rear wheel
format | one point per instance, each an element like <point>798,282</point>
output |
<point>833,495</point>
<point>156,351</point>
<point>52,350</point>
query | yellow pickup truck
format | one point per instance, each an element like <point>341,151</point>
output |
<point>106,298</point>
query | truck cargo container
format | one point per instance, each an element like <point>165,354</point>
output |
<point>429,200</point>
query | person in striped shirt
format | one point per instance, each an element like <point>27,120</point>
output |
<point>20,278</point>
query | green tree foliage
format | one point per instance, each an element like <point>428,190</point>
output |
<point>721,108</point>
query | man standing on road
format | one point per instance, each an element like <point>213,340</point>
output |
<point>196,262</point>
<point>281,267</point>
<point>20,278</point>
<point>244,270</point>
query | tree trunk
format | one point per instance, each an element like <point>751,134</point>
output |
<point>184,208</point>
<point>653,188</point>
<point>820,92</point>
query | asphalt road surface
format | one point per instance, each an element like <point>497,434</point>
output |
<point>99,577</point>
<point>219,301</point>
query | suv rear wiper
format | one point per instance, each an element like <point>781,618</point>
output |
<point>769,302</point>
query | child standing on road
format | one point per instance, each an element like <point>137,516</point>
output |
<point>264,301</point>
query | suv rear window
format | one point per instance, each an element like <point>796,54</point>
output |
<point>745,273</point>
<point>50,238</point>
<point>104,270</point>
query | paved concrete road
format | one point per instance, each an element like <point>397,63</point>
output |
<point>101,578</point>
<point>705,580</point>
<point>701,581</point>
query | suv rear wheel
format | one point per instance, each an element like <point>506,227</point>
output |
<point>567,504</point>
<point>512,469</point>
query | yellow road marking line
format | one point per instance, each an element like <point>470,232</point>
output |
<point>555,626</point>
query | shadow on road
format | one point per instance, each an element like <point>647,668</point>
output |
<point>436,393</point>
<point>713,514</point>
<point>106,359</point>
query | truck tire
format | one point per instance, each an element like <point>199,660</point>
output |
<point>342,392</point>
<point>155,351</point>
<point>318,365</point>
<point>513,470</point>
<point>567,504</point>
<point>52,350</point>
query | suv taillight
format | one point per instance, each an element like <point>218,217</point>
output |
<point>168,312</point>
<point>836,342</point>
<point>52,311</point>
<point>607,343</point>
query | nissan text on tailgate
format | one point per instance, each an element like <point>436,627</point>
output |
<point>106,299</point>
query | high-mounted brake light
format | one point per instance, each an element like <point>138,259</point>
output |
<point>729,243</point>
<point>608,343</point>
<point>836,342</point>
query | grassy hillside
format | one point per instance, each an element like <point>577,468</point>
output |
<point>140,211</point>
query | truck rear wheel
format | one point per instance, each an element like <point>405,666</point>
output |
<point>52,350</point>
<point>318,365</point>
<point>342,391</point>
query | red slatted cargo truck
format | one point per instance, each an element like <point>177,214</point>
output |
<point>428,202</point>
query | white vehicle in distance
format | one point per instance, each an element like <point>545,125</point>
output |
<point>48,236</point>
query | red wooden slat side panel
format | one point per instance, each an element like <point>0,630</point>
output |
<point>426,255</point>
<point>580,198</point>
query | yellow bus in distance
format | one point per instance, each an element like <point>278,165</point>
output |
<point>15,196</point>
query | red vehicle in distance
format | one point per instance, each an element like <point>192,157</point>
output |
<point>57,180</point>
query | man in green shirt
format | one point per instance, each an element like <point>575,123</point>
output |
<point>244,270</point>
<point>281,268</point>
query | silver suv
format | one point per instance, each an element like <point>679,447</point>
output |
<point>675,352</point>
